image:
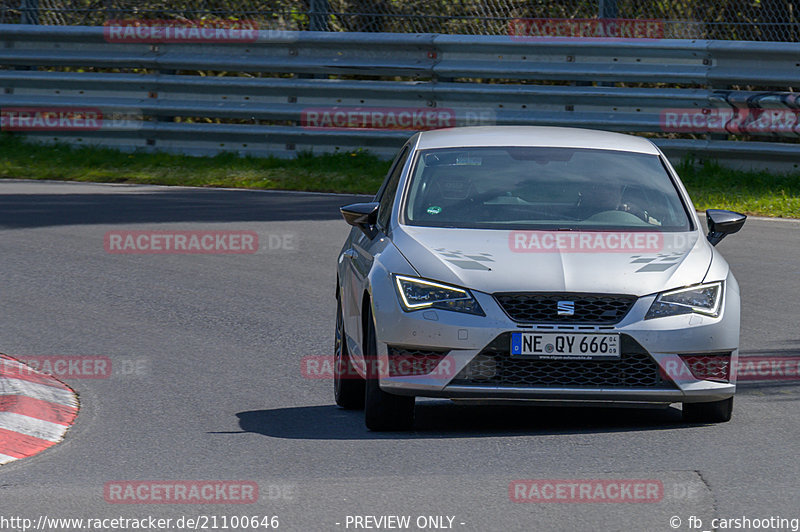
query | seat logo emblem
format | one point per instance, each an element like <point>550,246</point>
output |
<point>566,308</point>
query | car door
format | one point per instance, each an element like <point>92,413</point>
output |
<point>360,254</point>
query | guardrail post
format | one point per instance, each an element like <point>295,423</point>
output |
<point>29,11</point>
<point>607,9</point>
<point>318,15</point>
<point>318,12</point>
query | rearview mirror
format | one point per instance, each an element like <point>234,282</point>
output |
<point>723,223</point>
<point>362,215</point>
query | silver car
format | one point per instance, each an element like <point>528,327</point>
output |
<point>555,265</point>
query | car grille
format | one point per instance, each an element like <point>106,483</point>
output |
<point>406,361</point>
<point>599,309</point>
<point>711,366</point>
<point>494,366</point>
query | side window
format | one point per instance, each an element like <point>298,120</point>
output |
<point>401,156</point>
<point>390,190</point>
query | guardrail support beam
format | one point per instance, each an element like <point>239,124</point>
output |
<point>29,10</point>
<point>607,9</point>
<point>319,10</point>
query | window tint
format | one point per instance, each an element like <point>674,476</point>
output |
<point>390,190</point>
<point>533,187</point>
<point>400,155</point>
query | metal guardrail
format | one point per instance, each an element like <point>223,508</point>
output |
<point>167,102</point>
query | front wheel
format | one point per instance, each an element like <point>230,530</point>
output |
<point>383,411</point>
<point>713,412</point>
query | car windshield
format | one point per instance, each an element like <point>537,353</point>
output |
<point>543,188</point>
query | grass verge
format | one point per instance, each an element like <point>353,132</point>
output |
<point>341,172</point>
<point>758,193</point>
<point>710,185</point>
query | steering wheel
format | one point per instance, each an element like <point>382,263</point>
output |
<point>634,210</point>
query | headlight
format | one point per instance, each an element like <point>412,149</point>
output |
<point>701,299</point>
<point>418,293</point>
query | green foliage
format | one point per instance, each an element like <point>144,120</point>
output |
<point>710,185</point>
<point>711,19</point>
<point>356,172</point>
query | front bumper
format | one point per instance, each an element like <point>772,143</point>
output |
<point>572,395</point>
<point>463,337</point>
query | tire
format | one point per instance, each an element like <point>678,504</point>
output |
<point>348,386</point>
<point>713,412</point>
<point>382,411</point>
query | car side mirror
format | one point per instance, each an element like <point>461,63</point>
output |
<point>362,215</point>
<point>723,223</point>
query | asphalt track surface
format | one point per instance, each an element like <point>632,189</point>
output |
<point>207,386</point>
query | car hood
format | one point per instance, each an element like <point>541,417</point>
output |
<point>513,261</point>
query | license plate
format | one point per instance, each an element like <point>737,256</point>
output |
<point>557,346</point>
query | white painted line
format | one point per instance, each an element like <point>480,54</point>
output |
<point>4,459</point>
<point>30,426</point>
<point>43,392</point>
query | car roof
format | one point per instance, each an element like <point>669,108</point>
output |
<point>566,137</point>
